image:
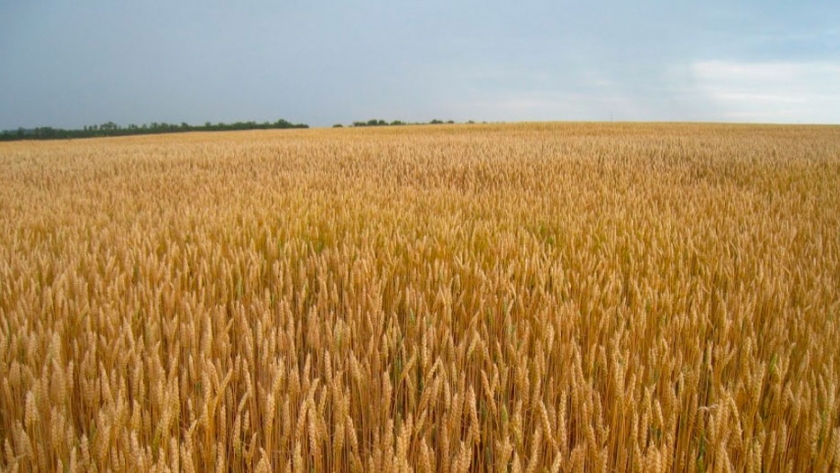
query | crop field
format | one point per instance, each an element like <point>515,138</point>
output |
<point>525,297</point>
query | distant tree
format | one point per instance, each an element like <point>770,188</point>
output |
<point>338,125</point>
<point>110,128</point>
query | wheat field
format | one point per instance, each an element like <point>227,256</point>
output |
<point>524,297</point>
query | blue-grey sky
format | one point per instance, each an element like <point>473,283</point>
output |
<point>67,63</point>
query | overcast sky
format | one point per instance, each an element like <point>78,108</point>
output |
<point>69,63</point>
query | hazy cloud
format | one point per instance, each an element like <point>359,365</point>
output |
<point>772,91</point>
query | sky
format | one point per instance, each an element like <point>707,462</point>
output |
<point>67,63</point>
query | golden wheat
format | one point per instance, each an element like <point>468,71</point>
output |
<point>534,297</point>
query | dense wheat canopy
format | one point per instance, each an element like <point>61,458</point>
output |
<point>534,297</point>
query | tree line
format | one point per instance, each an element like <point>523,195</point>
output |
<point>379,122</point>
<point>113,129</point>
